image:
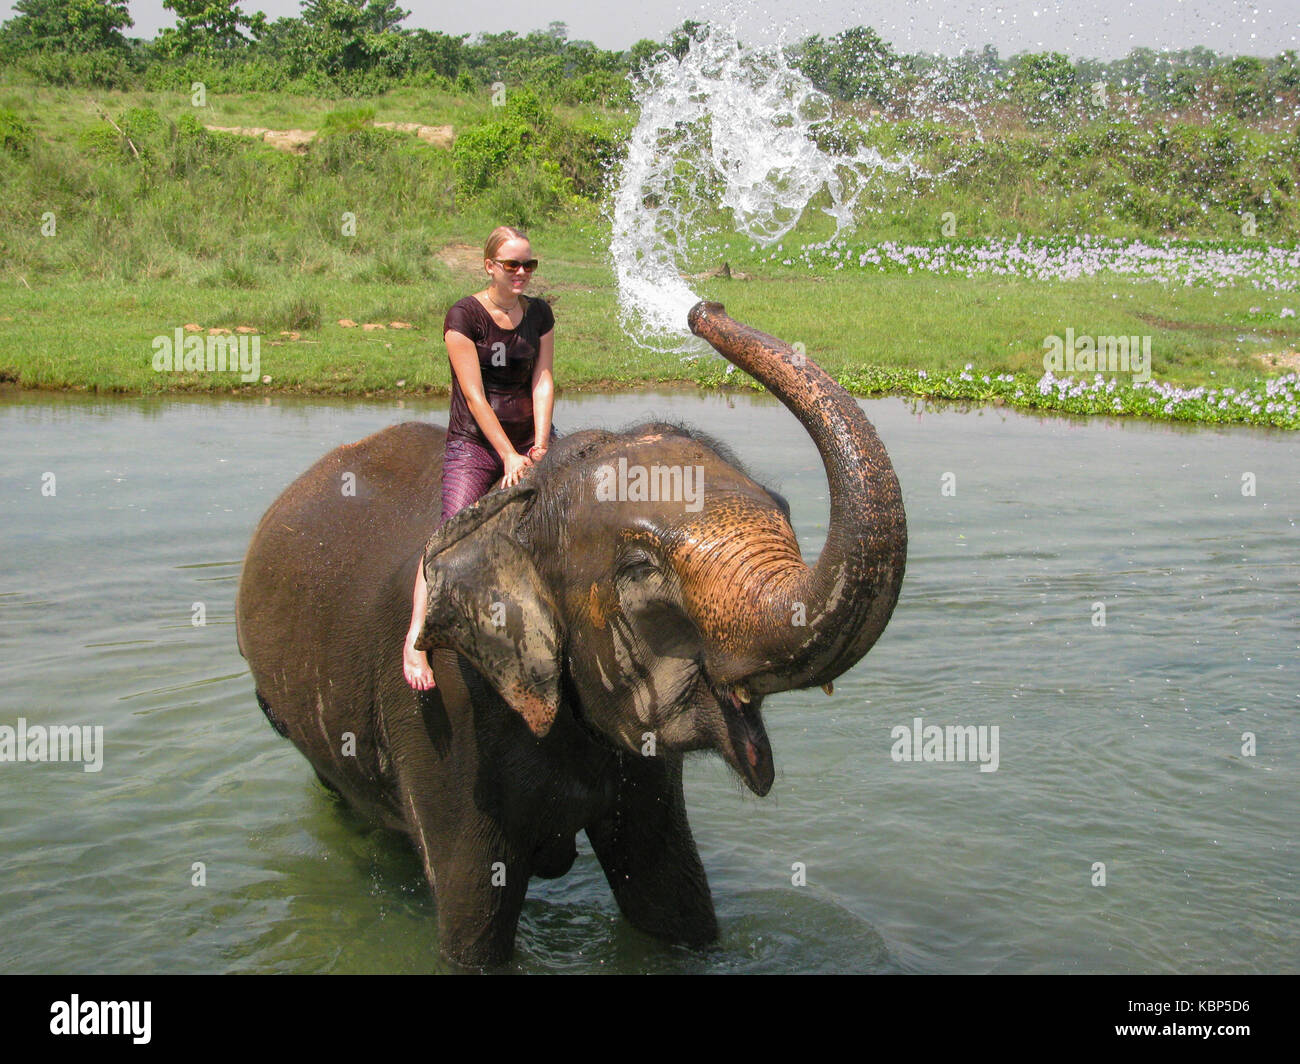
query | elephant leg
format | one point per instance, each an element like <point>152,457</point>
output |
<point>478,881</point>
<point>479,887</point>
<point>478,876</point>
<point>649,856</point>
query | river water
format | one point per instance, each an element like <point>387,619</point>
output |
<point>1124,747</point>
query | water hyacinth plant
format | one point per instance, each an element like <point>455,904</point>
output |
<point>1187,262</point>
<point>1269,403</point>
<point>1272,403</point>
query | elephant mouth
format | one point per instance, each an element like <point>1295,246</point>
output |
<point>746,749</point>
<point>744,744</point>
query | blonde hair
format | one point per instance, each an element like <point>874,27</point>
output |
<point>499,236</point>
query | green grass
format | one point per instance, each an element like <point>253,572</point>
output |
<point>225,232</point>
<point>63,113</point>
<point>938,323</point>
<point>851,324</point>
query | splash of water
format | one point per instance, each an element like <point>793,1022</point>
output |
<point>726,126</point>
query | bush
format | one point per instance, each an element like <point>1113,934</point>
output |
<point>482,153</point>
<point>600,87</point>
<point>525,108</point>
<point>347,120</point>
<point>102,142</point>
<point>149,131</point>
<point>15,135</point>
<point>196,150</point>
<point>363,147</point>
<point>529,192</point>
<point>528,159</point>
<point>102,70</point>
<point>588,151</point>
<point>302,315</point>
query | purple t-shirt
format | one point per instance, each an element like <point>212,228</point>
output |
<point>506,358</point>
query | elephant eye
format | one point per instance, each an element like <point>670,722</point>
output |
<point>650,600</point>
<point>636,566</point>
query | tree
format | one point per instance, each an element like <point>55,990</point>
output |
<point>972,74</point>
<point>853,65</point>
<point>988,63</point>
<point>344,35</point>
<point>384,15</point>
<point>1286,71</point>
<point>354,16</point>
<point>1043,84</point>
<point>642,53</point>
<point>679,41</point>
<point>69,25</point>
<point>437,51</point>
<point>209,26</point>
<point>1244,86</point>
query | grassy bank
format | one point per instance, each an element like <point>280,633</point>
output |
<point>113,237</point>
<point>878,334</point>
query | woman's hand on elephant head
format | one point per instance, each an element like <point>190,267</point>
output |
<point>516,468</point>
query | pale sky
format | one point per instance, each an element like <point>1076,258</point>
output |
<point>1100,29</point>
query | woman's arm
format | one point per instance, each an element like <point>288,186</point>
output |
<point>464,363</point>
<point>543,393</point>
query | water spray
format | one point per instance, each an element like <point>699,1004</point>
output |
<point>726,126</point>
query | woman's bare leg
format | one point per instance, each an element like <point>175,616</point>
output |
<point>469,470</point>
<point>415,663</point>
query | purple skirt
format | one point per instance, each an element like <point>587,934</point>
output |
<point>469,472</point>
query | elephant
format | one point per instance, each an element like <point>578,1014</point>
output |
<point>584,636</point>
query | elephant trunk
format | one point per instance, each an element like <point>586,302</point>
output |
<point>845,602</point>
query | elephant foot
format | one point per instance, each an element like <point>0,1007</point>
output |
<point>415,667</point>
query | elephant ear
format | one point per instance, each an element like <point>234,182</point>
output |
<point>487,600</point>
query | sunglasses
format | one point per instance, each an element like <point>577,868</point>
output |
<point>513,265</point>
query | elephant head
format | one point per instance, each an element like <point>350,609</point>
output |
<point>644,581</point>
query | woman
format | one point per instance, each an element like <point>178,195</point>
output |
<point>502,346</point>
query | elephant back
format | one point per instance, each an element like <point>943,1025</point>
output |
<point>330,570</point>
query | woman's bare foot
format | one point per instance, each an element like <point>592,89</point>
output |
<point>415,663</point>
<point>415,666</point>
